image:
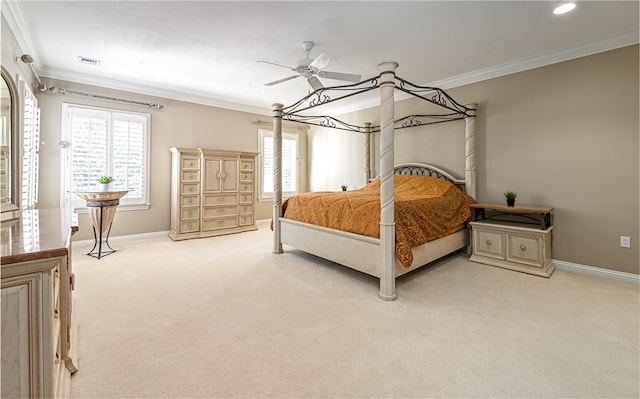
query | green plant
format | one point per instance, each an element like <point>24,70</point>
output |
<point>105,179</point>
<point>511,195</point>
<point>344,187</point>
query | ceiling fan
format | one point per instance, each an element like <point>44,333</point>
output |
<point>312,68</point>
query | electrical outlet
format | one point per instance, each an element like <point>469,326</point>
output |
<point>625,242</point>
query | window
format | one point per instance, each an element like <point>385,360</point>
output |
<point>289,164</point>
<point>105,142</point>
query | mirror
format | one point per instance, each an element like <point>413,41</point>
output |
<point>8,143</point>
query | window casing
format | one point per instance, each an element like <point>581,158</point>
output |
<point>289,164</point>
<point>104,141</point>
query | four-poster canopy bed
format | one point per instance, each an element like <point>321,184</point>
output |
<point>376,255</point>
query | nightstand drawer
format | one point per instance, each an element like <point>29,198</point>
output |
<point>525,249</point>
<point>489,243</point>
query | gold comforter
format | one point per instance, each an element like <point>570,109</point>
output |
<point>426,208</point>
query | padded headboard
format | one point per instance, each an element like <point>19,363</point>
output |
<point>422,169</point>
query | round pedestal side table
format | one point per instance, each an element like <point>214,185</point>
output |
<point>101,206</point>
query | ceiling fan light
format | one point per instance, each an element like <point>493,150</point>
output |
<point>564,8</point>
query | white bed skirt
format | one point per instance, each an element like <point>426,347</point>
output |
<point>360,252</point>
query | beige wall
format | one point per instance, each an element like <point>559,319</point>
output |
<point>179,124</point>
<point>565,136</point>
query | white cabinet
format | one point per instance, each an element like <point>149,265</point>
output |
<point>212,192</point>
<point>512,246</point>
<point>38,341</point>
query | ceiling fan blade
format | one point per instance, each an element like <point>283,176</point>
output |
<point>275,82</point>
<point>280,65</point>
<point>314,83</point>
<point>320,62</point>
<point>340,76</point>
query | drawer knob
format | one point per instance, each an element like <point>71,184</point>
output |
<point>523,247</point>
<point>189,225</point>
<point>489,242</point>
<point>221,175</point>
<point>190,213</point>
<point>72,281</point>
<point>56,313</point>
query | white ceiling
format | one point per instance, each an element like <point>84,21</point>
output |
<point>206,51</point>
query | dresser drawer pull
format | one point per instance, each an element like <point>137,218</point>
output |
<point>72,281</point>
<point>220,199</point>
<point>190,225</point>
<point>221,175</point>
<point>523,247</point>
<point>489,242</point>
<point>57,360</point>
<point>56,313</point>
<point>190,213</point>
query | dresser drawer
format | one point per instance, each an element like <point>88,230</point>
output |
<point>215,211</point>
<point>189,213</point>
<point>246,219</point>
<point>190,162</point>
<point>246,198</point>
<point>189,200</point>
<point>189,226</point>
<point>246,186</point>
<point>246,208</point>
<point>220,199</point>
<point>189,176</point>
<point>219,223</point>
<point>246,176</point>
<point>190,188</point>
<point>246,164</point>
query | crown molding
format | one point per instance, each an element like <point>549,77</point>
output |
<point>161,93</point>
<point>12,13</point>
<point>521,65</point>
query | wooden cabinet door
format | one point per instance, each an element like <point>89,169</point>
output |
<point>220,174</point>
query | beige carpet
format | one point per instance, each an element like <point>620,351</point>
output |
<point>224,317</point>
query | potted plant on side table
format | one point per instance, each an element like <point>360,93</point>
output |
<point>105,181</point>
<point>511,198</point>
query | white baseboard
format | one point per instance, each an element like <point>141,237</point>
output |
<point>597,272</point>
<point>153,234</point>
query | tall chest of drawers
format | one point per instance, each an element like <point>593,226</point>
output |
<point>212,192</point>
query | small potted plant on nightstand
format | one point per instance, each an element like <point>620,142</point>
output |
<point>511,198</point>
<point>105,181</point>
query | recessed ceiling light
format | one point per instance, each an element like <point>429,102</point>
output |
<point>88,61</point>
<point>564,8</point>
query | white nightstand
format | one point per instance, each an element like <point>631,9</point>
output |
<point>516,238</point>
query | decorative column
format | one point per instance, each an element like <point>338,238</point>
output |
<point>471,165</point>
<point>387,211</point>
<point>277,176</point>
<point>367,152</point>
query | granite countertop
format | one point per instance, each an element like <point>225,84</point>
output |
<point>37,234</point>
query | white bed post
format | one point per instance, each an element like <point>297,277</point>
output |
<point>387,211</point>
<point>367,152</point>
<point>277,177</point>
<point>470,152</point>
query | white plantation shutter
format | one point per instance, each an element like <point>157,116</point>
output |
<point>30,149</point>
<point>289,164</point>
<point>106,142</point>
